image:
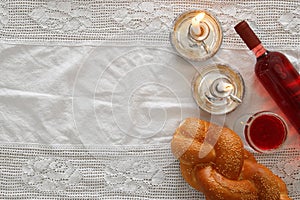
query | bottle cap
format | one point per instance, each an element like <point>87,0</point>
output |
<point>247,34</point>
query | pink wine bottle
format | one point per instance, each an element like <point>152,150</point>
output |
<point>276,73</point>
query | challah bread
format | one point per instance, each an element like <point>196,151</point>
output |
<point>213,161</point>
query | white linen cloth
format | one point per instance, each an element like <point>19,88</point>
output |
<point>92,91</point>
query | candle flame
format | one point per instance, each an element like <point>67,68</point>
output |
<point>196,23</point>
<point>200,17</point>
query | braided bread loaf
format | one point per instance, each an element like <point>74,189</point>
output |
<point>213,161</point>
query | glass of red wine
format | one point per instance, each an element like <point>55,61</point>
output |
<point>263,131</point>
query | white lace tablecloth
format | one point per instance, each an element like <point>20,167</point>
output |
<point>92,91</point>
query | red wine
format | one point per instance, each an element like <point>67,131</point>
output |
<point>276,73</point>
<point>265,132</point>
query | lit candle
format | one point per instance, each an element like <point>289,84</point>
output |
<point>196,23</point>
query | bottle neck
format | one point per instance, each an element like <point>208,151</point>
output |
<point>259,50</point>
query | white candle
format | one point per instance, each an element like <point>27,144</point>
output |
<point>224,87</point>
<point>196,23</point>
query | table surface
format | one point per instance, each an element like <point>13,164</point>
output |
<point>92,91</point>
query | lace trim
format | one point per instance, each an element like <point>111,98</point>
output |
<point>291,21</point>
<point>87,172</point>
<point>140,22</point>
<point>50,174</point>
<point>62,16</point>
<point>133,175</point>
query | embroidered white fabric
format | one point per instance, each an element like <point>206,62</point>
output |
<point>144,172</point>
<point>141,22</point>
<point>91,93</point>
<point>111,95</point>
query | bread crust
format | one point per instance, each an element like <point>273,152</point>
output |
<point>213,161</point>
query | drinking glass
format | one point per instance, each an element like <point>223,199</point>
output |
<point>263,131</point>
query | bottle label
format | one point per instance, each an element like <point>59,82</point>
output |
<point>259,50</point>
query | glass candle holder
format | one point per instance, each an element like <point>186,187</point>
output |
<point>218,89</point>
<point>196,35</point>
<point>263,131</point>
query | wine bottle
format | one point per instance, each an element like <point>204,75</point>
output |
<point>276,73</point>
